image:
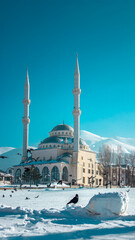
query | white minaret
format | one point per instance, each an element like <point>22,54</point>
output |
<point>26,120</point>
<point>76,111</point>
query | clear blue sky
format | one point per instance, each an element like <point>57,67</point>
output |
<point>45,36</point>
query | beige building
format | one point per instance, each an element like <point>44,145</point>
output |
<point>63,155</point>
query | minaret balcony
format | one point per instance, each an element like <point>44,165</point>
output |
<point>26,101</point>
<point>76,112</point>
<point>26,120</point>
<point>77,91</point>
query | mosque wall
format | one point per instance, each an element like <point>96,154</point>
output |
<point>86,170</point>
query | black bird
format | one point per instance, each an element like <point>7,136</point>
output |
<point>5,189</point>
<point>27,198</point>
<point>37,196</point>
<point>3,157</point>
<point>3,195</point>
<point>74,200</point>
<point>12,191</point>
<point>27,169</point>
<point>10,195</point>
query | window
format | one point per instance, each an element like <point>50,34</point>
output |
<point>88,180</point>
<point>100,181</point>
<point>66,133</point>
<point>65,174</point>
<point>88,170</point>
<point>83,179</point>
<point>81,158</point>
<point>97,172</point>
<point>17,176</point>
<point>96,181</point>
<point>88,165</point>
<point>45,175</point>
<point>55,176</point>
<point>46,146</point>
<point>83,164</point>
<point>83,170</point>
<point>92,171</point>
<point>92,165</point>
<point>63,133</point>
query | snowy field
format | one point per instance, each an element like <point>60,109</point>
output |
<point>45,216</point>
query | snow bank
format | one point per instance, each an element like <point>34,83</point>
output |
<point>108,203</point>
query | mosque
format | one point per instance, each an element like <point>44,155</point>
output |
<point>63,155</point>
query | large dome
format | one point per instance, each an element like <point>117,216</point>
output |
<point>63,127</point>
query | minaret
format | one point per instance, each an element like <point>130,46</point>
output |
<point>26,120</point>
<point>76,111</point>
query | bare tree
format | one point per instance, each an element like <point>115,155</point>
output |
<point>104,157</point>
<point>132,169</point>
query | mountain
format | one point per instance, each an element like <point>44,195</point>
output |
<point>5,149</point>
<point>13,157</point>
<point>95,141</point>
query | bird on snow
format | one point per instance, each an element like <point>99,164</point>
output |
<point>37,196</point>
<point>12,191</point>
<point>74,200</point>
<point>27,198</point>
<point>3,195</point>
<point>11,195</point>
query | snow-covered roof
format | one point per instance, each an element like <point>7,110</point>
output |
<point>40,162</point>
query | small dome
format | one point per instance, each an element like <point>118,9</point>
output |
<point>82,142</point>
<point>63,127</point>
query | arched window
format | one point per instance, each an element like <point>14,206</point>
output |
<point>65,174</point>
<point>36,179</point>
<point>18,176</point>
<point>55,176</point>
<point>45,174</point>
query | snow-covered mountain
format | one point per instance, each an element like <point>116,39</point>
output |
<point>95,141</point>
<point>13,157</point>
<point>5,149</point>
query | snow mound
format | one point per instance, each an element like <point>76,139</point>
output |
<point>108,203</point>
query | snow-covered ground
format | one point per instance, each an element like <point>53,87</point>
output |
<point>44,215</point>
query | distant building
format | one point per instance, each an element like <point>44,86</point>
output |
<point>5,178</point>
<point>119,176</point>
<point>63,155</point>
